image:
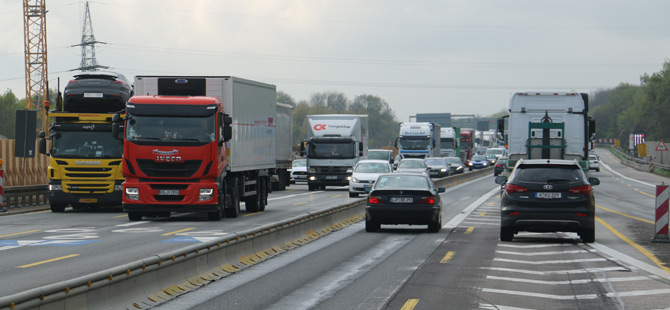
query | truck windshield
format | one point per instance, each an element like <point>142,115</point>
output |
<point>447,143</point>
<point>465,144</point>
<point>413,143</point>
<point>86,144</point>
<point>381,155</point>
<point>331,150</point>
<point>199,130</point>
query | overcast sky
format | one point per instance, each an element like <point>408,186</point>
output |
<point>423,56</point>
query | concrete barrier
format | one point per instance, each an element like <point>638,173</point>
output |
<point>147,282</point>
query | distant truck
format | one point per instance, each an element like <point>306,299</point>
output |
<point>450,142</point>
<point>467,144</point>
<point>549,125</point>
<point>333,146</point>
<point>419,140</point>
<point>280,177</point>
<point>198,144</point>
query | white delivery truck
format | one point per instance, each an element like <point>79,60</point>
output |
<point>280,177</point>
<point>199,144</point>
<point>449,142</point>
<point>419,140</point>
<point>333,146</point>
<point>549,125</point>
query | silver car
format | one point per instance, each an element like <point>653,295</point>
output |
<point>365,175</point>
<point>298,171</point>
<point>412,165</point>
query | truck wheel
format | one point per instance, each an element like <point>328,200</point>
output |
<point>234,209</point>
<point>264,194</point>
<point>57,207</point>
<point>135,216</point>
<point>218,214</point>
<point>253,202</point>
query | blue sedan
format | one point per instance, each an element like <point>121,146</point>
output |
<point>479,162</point>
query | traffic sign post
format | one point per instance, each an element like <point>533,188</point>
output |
<point>661,214</point>
<point>661,148</point>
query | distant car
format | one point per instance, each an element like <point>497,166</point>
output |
<point>594,162</point>
<point>401,198</point>
<point>97,91</point>
<point>547,196</point>
<point>499,166</point>
<point>299,171</point>
<point>497,151</point>
<point>456,165</point>
<point>438,167</point>
<point>491,158</point>
<point>381,154</point>
<point>364,175</point>
<point>478,162</point>
<point>412,165</point>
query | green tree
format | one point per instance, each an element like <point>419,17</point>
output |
<point>9,104</point>
<point>285,98</point>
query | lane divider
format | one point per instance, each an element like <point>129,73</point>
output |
<point>48,261</point>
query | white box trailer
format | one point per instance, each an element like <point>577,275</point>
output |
<point>281,177</point>
<point>549,125</point>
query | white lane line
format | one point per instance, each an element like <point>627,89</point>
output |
<point>548,262</point>
<point>132,224</point>
<point>581,281</point>
<point>500,307</point>
<point>639,293</point>
<point>554,272</point>
<point>479,223</point>
<point>478,219</point>
<point>546,296</point>
<point>544,253</point>
<point>625,177</point>
<point>616,255</point>
<point>531,246</point>
<point>456,220</point>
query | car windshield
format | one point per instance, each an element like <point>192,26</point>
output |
<point>378,155</point>
<point>402,181</point>
<point>447,143</point>
<point>412,164</point>
<point>299,163</point>
<point>548,174</point>
<point>372,168</point>
<point>495,151</point>
<point>454,161</point>
<point>478,157</point>
<point>435,162</point>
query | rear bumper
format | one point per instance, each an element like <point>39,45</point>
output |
<point>402,215</point>
<point>566,221</point>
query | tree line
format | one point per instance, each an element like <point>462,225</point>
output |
<point>628,109</point>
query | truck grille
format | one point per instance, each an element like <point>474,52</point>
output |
<point>99,173</point>
<point>166,170</point>
<point>87,188</point>
<point>168,198</point>
<point>331,170</point>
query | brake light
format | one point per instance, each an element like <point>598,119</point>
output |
<point>427,200</point>
<point>511,188</point>
<point>72,82</point>
<point>374,200</point>
<point>584,189</point>
<point>513,213</point>
<point>582,214</point>
<point>119,82</point>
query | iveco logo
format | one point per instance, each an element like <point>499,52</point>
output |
<point>170,159</point>
<point>173,152</point>
<point>548,187</point>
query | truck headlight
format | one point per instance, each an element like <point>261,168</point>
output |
<point>55,187</point>
<point>132,193</point>
<point>206,194</point>
<point>312,178</point>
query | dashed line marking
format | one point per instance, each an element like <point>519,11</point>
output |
<point>546,262</point>
<point>553,272</point>
<point>544,253</point>
<point>469,230</point>
<point>178,231</point>
<point>48,261</point>
<point>20,233</point>
<point>410,304</point>
<point>447,257</point>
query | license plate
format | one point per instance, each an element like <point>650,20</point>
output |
<point>544,195</point>
<point>92,95</point>
<point>88,200</point>
<point>331,177</point>
<point>168,192</point>
<point>402,199</point>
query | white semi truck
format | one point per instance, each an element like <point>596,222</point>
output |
<point>550,125</point>
<point>334,145</point>
<point>419,140</point>
<point>449,142</point>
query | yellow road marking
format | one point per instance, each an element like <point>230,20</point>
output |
<point>336,196</point>
<point>469,230</point>
<point>250,214</point>
<point>626,215</point>
<point>301,203</point>
<point>48,261</point>
<point>120,216</point>
<point>35,212</point>
<point>410,304</point>
<point>491,203</point>
<point>643,193</point>
<point>21,233</point>
<point>178,231</point>
<point>482,214</point>
<point>447,257</point>
<point>642,250</point>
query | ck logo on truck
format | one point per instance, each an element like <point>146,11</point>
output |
<point>320,127</point>
<point>167,156</point>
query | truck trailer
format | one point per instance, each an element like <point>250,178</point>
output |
<point>198,144</point>
<point>419,140</point>
<point>450,142</point>
<point>334,145</point>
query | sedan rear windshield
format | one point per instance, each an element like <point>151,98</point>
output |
<point>545,174</point>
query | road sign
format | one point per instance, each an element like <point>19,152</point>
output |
<point>661,146</point>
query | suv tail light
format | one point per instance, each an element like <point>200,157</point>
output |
<point>119,82</point>
<point>584,189</point>
<point>427,200</point>
<point>511,188</point>
<point>72,82</point>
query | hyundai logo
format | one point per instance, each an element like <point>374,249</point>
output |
<point>548,187</point>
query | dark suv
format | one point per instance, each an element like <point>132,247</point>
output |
<point>97,91</point>
<point>547,195</point>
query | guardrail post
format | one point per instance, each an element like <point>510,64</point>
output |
<point>661,214</point>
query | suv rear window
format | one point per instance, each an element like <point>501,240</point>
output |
<point>548,173</point>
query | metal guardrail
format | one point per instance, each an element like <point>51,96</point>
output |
<point>25,196</point>
<point>632,159</point>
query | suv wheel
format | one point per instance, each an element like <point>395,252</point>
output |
<point>588,236</point>
<point>506,234</point>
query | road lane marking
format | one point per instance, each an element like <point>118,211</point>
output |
<point>447,257</point>
<point>638,247</point>
<point>546,262</point>
<point>469,230</point>
<point>643,193</point>
<point>569,282</point>
<point>48,261</point>
<point>300,203</point>
<point>482,214</point>
<point>458,219</point>
<point>410,304</point>
<point>132,224</point>
<point>529,246</point>
<point>626,215</point>
<point>250,214</point>
<point>20,233</point>
<point>500,307</point>
<point>539,295</point>
<point>120,216</point>
<point>553,272</point>
<point>338,195</point>
<point>544,253</point>
<point>178,231</point>
<point>625,177</point>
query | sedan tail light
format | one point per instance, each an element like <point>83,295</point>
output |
<point>72,82</point>
<point>427,200</point>
<point>119,82</point>
<point>374,200</point>
<point>511,188</point>
<point>584,189</point>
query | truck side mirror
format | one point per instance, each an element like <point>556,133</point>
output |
<point>592,127</point>
<point>501,126</point>
<point>42,145</point>
<point>227,129</point>
<point>302,148</point>
<point>116,118</point>
<point>360,148</point>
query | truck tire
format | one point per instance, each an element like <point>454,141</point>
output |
<point>218,214</point>
<point>234,209</point>
<point>135,216</point>
<point>253,202</point>
<point>57,207</point>
<point>264,194</point>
